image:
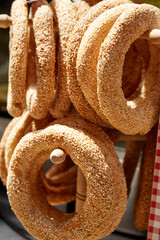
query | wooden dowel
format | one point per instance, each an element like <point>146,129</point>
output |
<point>132,137</point>
<point>81,190</point>
<point>6,21</point>
<point>58,156</point>
<point>153,36</point>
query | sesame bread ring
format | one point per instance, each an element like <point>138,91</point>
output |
<point>140,114</point>
<point>86,66</point>
<point>76,94</point>
<point>66,13</point>
<point>16,133</point>
<point>104,176</point>
<point>40,97</point>
<point>144,191</point>
<point>3,170</point>
<point>87,58</point>
<point>18,58</point>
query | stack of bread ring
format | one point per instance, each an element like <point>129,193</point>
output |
<point>83,75</point>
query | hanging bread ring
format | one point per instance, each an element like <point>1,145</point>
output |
<point>41,74</point>
<point>105,185</point>
<point>76,94</point>
<point>140,114</point>
<point>18,58</point>
<point>66,13</point>
<point>87,58</point>
<point>3,170</point>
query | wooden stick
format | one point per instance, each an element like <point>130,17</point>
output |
<point>81,190</point>
<point>58,156</point>
<point>6,21</point>
<point>132,137</point>
<point>153,36</point>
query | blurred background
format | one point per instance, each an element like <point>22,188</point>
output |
<point>4,57</point>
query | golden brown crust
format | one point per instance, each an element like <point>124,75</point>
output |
<point>76,94</point>
<point>39,98</point>
<point>18,58</point>
<point>3,170</point>
<point>144,192</point>
<point>104,176</point>
<point>140,114</point>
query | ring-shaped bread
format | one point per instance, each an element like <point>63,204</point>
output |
<point>106,187</point>
<point>18,58</point>
<point>78,99</point>
<point>40,92</point>
<point>140,114</point>
<point>87,58</point>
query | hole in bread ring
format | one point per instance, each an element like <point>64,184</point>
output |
<point>59,182</point>
<point>106,187</point>
<point>140,114</point>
